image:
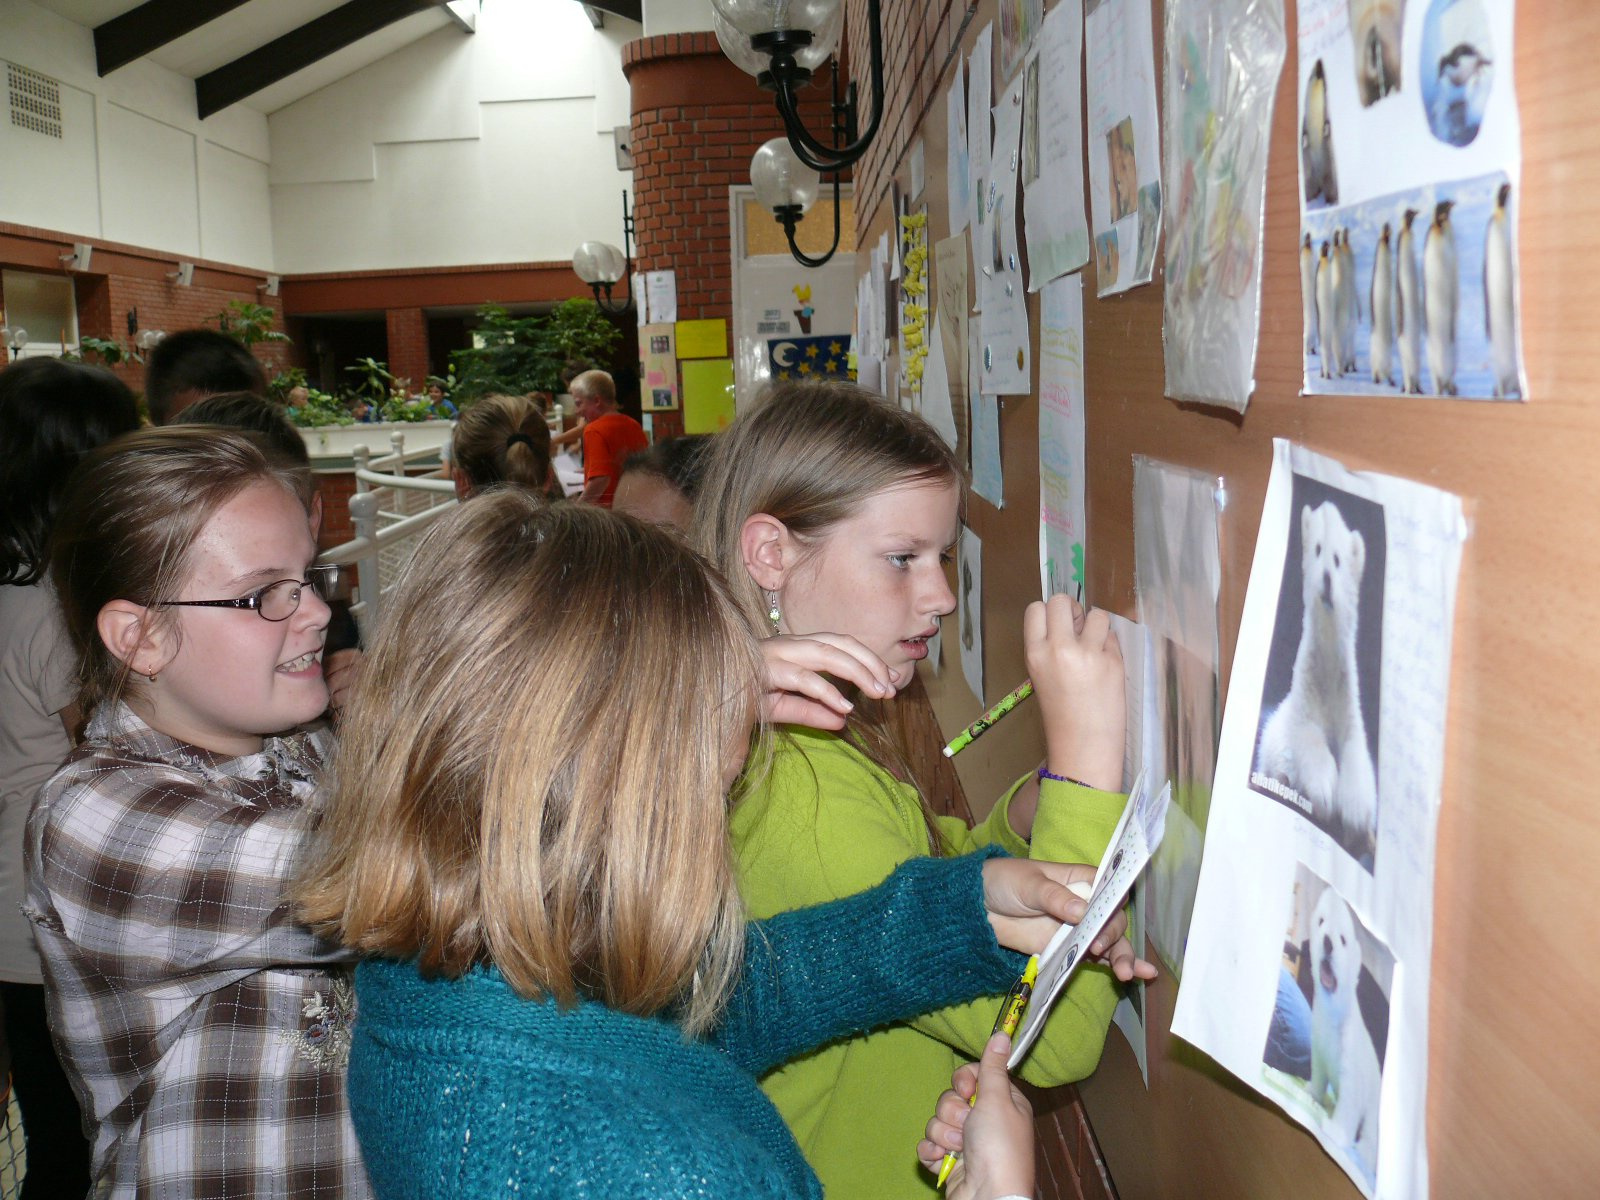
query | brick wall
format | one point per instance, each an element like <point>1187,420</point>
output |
<point>126,278</point>
<point>408,346</point>
<point>919,39</point>
<point>697,120</point>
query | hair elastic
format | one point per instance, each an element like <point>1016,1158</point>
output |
<point>519,437</point>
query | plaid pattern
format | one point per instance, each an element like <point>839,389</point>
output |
<point>206,1033</point>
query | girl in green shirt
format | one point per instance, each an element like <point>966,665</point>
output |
<point>833,513</point>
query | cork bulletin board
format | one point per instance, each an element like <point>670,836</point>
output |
<point>1514,1072</point>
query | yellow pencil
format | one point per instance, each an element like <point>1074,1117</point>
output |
<point>1006,1022</point>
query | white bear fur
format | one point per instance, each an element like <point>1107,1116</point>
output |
<point>1344,1066</point>
<point>1316,741</point>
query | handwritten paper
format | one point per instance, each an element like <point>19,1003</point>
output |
<point>1124,143</point>
<point>1318,870</point>
<point>950,290</point>
<point>1062,520</point>
<point>1057,231</point>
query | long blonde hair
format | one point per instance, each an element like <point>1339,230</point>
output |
<point>811,454</point>
<point>531,773</point>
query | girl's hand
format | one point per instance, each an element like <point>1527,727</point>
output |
<point>995,1134</point>
<point>340,670</point>
<point>797,691</point>
<point>1076,667</point>
<point>1028,900</point>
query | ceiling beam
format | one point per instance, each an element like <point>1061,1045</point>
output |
<point>149,27</point>
<point>299,48</point>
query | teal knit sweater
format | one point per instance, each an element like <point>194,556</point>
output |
<point>460,1088</point>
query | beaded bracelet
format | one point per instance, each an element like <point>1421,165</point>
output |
<point>1046,773</point>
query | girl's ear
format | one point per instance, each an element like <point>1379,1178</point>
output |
<point>767,550</point>
<point>127,632</point>
<point>463,484</point>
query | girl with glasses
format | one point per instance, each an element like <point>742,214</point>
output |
<point>204,1029</point>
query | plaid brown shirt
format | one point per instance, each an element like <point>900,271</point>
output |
<point>205,1032</point>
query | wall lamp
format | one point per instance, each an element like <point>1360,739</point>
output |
<point>781,43</point>
<point>602,266</point>
<point>13,340</point>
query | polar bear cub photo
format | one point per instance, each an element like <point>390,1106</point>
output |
<point>1315,742</point>
<point>1344,1064</point>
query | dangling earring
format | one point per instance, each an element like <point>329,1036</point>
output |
<point>152,676</point>
<point>773,614</point>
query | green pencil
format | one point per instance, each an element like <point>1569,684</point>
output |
<point>1007,702</point>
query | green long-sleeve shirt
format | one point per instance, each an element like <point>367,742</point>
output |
<point>825,822</point>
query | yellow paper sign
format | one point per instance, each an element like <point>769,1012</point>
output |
<point>703,339</point>
<point>707,395</point>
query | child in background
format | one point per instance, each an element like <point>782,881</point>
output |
<point>502,439</point>
<point>52,413</point>
<point>568,1002</point>
<point>836,512</point>
<point>205,1031</point>
<point>660,484</point>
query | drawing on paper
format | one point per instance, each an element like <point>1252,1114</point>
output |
<point>1317,746</point>
<point>1327,1039</point>
<point>1124,168</point>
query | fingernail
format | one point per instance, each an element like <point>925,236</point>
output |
<point>999,1042</point>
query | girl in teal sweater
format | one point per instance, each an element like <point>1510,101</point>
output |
<point>528,824</point>
<point>829,509</point>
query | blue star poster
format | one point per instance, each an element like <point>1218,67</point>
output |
<point>826,357</point>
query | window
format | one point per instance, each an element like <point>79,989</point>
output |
<point>46,306</point>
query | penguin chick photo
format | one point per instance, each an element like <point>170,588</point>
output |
<point>1329,359</point>
<point>1460,94</point>
<point>1408,311</point>
<point>1375,33</point>
<point>1440,293</point>
<point>1499,298</point>
<point>1381,305</point>
<point>1316,141</point>
<point>1308,292</point>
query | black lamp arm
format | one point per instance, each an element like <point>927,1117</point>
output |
<point>807,149</point>
<point>789,216</point>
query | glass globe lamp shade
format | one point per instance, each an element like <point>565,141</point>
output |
<point>781,179</point>
<point>599,262</point>
<point>822,19</point>
<point>736,45</point>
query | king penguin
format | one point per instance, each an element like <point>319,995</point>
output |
<point>1341,304</point>
<point>1440,292</point>
<point>1499,300</point>
<point>1408,312</point>
<point>1382,308</point>
<point>1329,360</point>
<point>1308,292</point>
<point>1316,140</point>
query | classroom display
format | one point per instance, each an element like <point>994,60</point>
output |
<point>1056,230</point>
<point>1410,176</point>
<point>1124,143</point>
<point>1306,971</point>
<point>1223,60</point>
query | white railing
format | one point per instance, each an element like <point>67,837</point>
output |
<point>388,513</point>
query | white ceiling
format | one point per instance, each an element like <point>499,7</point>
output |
<point>253,25</point>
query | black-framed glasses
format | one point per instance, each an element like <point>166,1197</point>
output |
<point>276,601</point>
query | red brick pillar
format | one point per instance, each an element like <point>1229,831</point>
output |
<point>408,347</point>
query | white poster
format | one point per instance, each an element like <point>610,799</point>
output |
<point>1308,962</point>
<point>980,124</point>
<point>661,296</point>
<point>1124,143</point>
<point>1178,572</point>
<point>1410,176</point>
<point>1056,229</point>
<point>969,611</point>
<point>958,171</point>
<point>1007,354</point>
<point>1063,523</point>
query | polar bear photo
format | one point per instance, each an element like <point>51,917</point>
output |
<point>1327,1039</point>
<point>1317,746</point>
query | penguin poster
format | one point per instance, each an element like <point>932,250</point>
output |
<point>1410,173</point>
